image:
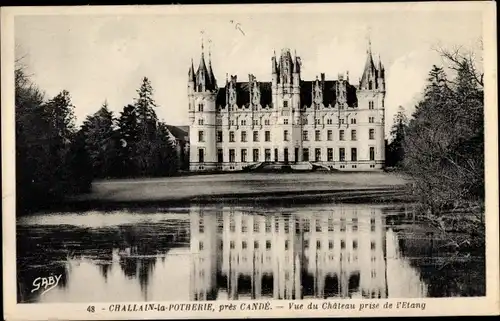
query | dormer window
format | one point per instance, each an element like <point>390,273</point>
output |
<point>285,104</point>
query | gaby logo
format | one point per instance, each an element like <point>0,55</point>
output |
<point>46,283</point>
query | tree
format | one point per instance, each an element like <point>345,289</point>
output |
<point>101,143</point>
<point>147,125</point>
<point>128,133</point>
<point>444,144</point>
<point>395,148</point>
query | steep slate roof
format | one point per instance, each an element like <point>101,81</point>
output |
<point>329,94</point>
<point>243,94</point>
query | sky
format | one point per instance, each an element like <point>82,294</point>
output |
<point>103,57</point>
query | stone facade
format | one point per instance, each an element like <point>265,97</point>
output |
<point>328,123</point>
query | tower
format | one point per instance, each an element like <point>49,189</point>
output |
<point>202,92</point>
<point>371,102</point>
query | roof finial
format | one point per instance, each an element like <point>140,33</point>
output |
<point>369,39</point>
<point>202,45</point>
<point>209,49</point>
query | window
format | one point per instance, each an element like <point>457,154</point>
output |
<point>256,228</point>
<point>267,153</point>
<point>231,244</point>
<point>342,154</point>
<point>329,135</point>
<point>354,244</point>
<point>255,156</point>
<point>200,107</point>
<point>267,135</point>
<point>330,225</point>
<point>329,121</point>
<point>354,154</point>
<point>330,244</point>
<point>268,224</point>
<point>232,155</point>
<point>220,155</point>
<point>370,105</point>
<point>353,121</point>
<point>318,244</point>
<point>268,244</point>
<point>353,134</point>
<point>342,121</point>
<point>266,122</point>
<point>244,226</point>
<point>305,154</point>
<point>200,246</point>
<point>371,133</point>
<point>372,153</point>
<point>231,137</point>
<point>304,121</point>
<point>232,122</point>
<point>285,121</point>
<point>255,122</point>
<point>243,122</point>
<point>318,226</point>
<point>372,245</point>
<point>243,136</point>
<point>317,136</point>
<point>256,244</point>
<point>201,137</point>
<point>286,244</point>
<point>329,154</point>
<point>285,104</point>
<point>243,155</point>
<point>317,121</point>
<point>201,155</point>
<point>200,121</point>
<point>275,154</point>
<point>243,245</point>
<point>371,120</point>
<point>341,134</point>
<point>285,135</point>
<point>304,136</point>
<point>255,136</point>
<point>317,154</point>
<point>219,136</point>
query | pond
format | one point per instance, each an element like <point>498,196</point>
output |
<point>229,252</point>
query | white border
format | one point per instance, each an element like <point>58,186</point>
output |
<point>443,306</point>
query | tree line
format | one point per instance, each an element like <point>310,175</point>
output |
<point>54,158</point>
<point>441,146</point>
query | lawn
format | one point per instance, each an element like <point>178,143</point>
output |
<point>235,184</point>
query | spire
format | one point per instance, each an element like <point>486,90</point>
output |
<point>211,76</point>
<point>274,66</point>
<point>191,72</point>
<point>369,70</point>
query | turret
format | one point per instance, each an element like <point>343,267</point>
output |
<point>369,79</point>
<point>381,75</point>
<point>274,70</point>
<point>296,71</point>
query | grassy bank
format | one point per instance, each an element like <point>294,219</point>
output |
<point>243,188</point>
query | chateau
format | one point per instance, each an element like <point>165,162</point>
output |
<point>327,123</point>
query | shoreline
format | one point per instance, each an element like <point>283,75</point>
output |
<point>382,195</point>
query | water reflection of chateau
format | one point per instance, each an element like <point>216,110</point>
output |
<point>339,253</point>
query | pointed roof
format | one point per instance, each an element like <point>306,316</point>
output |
<point>211,76</point>
<point>369,67</point>
<point>296,66</point>
<point>191,72</point>
<point>274,65</point>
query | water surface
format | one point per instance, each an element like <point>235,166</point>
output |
<point>229,252</point>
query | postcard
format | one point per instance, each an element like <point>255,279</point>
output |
<point>250,161</point>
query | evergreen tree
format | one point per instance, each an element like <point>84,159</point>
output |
<point>398,132</point>
<point>100,142</point>
<point>147,125</point>
<point>128,133</point>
